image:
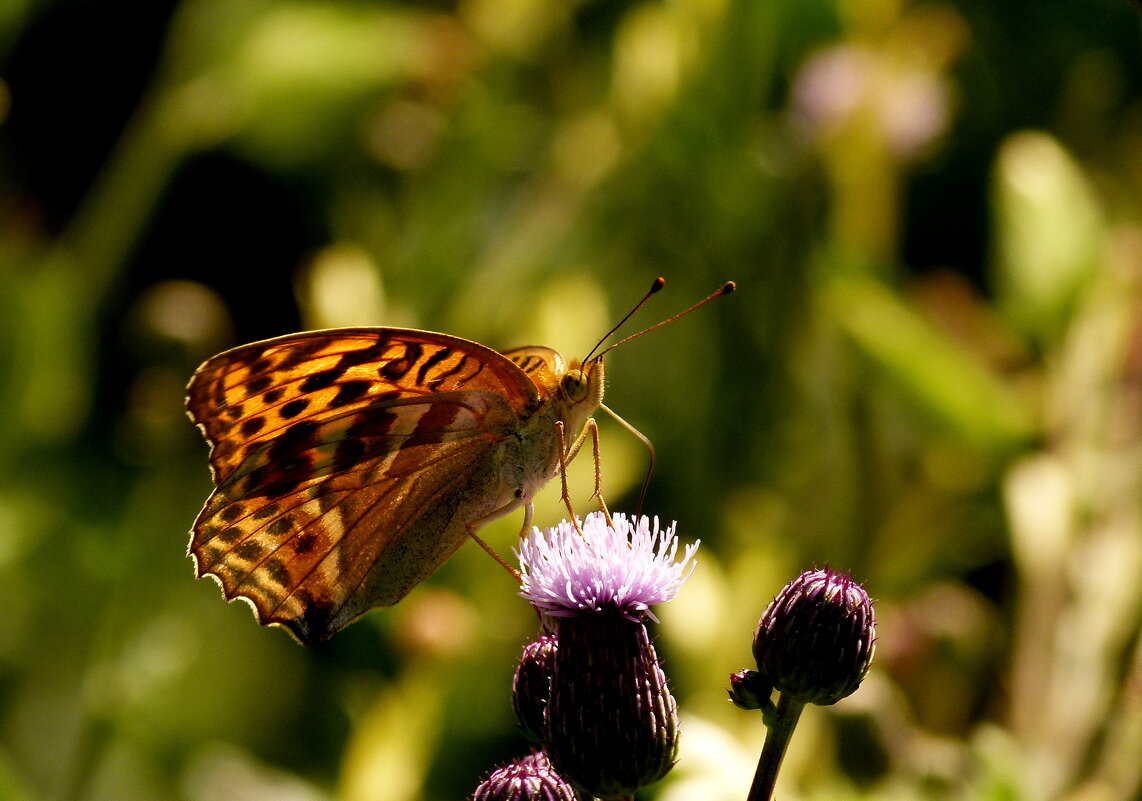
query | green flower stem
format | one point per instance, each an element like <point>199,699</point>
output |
<point>781,724</point>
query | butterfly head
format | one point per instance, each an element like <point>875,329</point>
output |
<point>582,384</point>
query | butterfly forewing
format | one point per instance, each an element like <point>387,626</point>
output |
<point>347,463</point>
<point>256,393</point>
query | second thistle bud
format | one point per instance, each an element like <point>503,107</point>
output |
<point>749,689</point>
<point>531,686</point>
<point>816,640</point>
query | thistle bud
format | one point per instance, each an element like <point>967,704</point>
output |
<point>529,779</point>
<point>531,686</point>
<point>816,640</point>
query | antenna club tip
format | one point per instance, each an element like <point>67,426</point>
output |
<point>659,282</point>
<point>728,287</point>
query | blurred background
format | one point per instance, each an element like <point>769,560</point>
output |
<point>931,375</point>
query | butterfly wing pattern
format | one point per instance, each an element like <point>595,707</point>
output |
<point>348,463</point>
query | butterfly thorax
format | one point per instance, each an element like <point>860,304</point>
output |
<point>570,395</point>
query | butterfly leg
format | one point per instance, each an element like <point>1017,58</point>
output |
<point>563,460</point>
<point>566,456</point>
<point>594,428</point>
<point>475,524</point>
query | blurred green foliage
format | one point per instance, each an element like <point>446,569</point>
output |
<point>930,375</point>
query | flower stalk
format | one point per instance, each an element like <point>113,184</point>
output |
<point>780,721</point>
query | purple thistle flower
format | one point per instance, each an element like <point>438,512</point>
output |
<point>610,722</point>
<point>629,567</point>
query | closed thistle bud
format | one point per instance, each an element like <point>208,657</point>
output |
<point>816,640</point>
<point>611,723</point>
<point>529,779</point>
<point>531,686</point>
<point>749,689</point>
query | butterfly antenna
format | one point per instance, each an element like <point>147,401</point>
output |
<point>725,289</point>
<point>657,285</point>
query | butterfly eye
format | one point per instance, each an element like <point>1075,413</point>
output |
<point>575,385</point>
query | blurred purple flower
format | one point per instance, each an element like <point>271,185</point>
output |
<point>910,106</point>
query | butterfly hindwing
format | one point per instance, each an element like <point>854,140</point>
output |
<point>303,558</point>
<point>544,366</point>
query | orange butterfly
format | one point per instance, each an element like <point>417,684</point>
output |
<point>350,463</point>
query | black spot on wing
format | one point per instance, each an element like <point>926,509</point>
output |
<point>349,392</point>
<point>300,352</point>
<point>257,385</point>
<point>283,525</point>
<point>529,364</point>
<point>278,572</point>
<point>457,369</point>
<point>250,551</point>
<point>323,379</point>
<point>269,510</point>
<point>293,408</point>
<point>232,512</point>
<point>364,355</point>
<point>231,535</point>
<point>252,426</point>
<point>396,369</point>
<point>430,362</point>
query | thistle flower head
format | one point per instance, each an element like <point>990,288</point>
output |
<point>628,567</point>
<point>815,642</point>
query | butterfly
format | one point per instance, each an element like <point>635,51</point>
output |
<point>349,464</point>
